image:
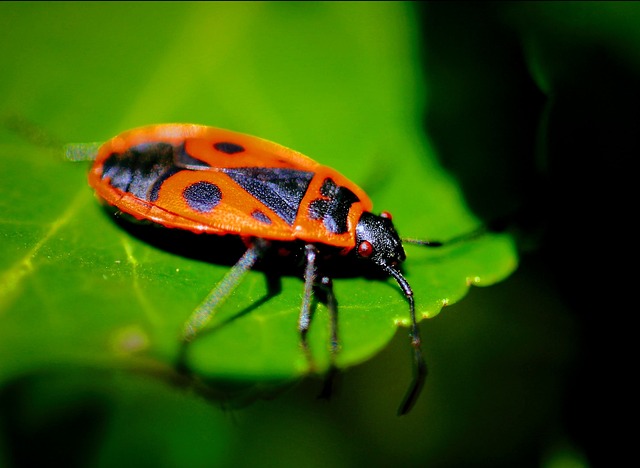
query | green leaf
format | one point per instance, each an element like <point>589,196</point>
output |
<point>78,289</point>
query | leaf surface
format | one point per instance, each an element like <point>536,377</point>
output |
<point>78,289</point>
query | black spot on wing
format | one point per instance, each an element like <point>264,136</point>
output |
<point>137,169</point>
<point>202,196</point>
<point>142,169</point>
<point>260,216</point>
<point>152,194</point>
<point>281,190</point>
<point>185,160</point>
<point>318,208</point>
<point>334,209</point>
<point>228,148</point>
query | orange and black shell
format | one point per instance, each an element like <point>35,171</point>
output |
<point>211,180</point>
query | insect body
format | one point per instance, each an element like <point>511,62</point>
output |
<point>215,181</point>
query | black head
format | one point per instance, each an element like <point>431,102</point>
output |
<point>378,241</point>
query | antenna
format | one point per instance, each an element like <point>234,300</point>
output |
<point>454,240</point>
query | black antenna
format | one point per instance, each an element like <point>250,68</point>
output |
<point>454,240</point>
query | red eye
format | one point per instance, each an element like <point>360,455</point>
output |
<point>365,249</point>
<point>386,214</point>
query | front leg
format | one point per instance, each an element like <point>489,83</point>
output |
<point>326,286</point>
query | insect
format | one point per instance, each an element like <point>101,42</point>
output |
<point>214,181</point>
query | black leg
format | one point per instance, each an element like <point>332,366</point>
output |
<point>332,306</point>
<point>478,232</point>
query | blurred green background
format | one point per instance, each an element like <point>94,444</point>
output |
<point>532,108</point>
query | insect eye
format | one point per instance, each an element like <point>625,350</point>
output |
<point>365,249</point>
<point>386,215</point>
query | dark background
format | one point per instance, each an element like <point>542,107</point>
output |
<point>550,100</point>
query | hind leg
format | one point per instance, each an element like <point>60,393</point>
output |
<point>206,310</point>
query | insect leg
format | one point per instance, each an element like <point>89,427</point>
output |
<point>332,305</point>
<point>204,312</point>
<point>310,273</point>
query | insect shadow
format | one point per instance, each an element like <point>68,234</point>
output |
<point>282,259</point>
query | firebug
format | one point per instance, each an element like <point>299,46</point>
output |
<point>213,181</point>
